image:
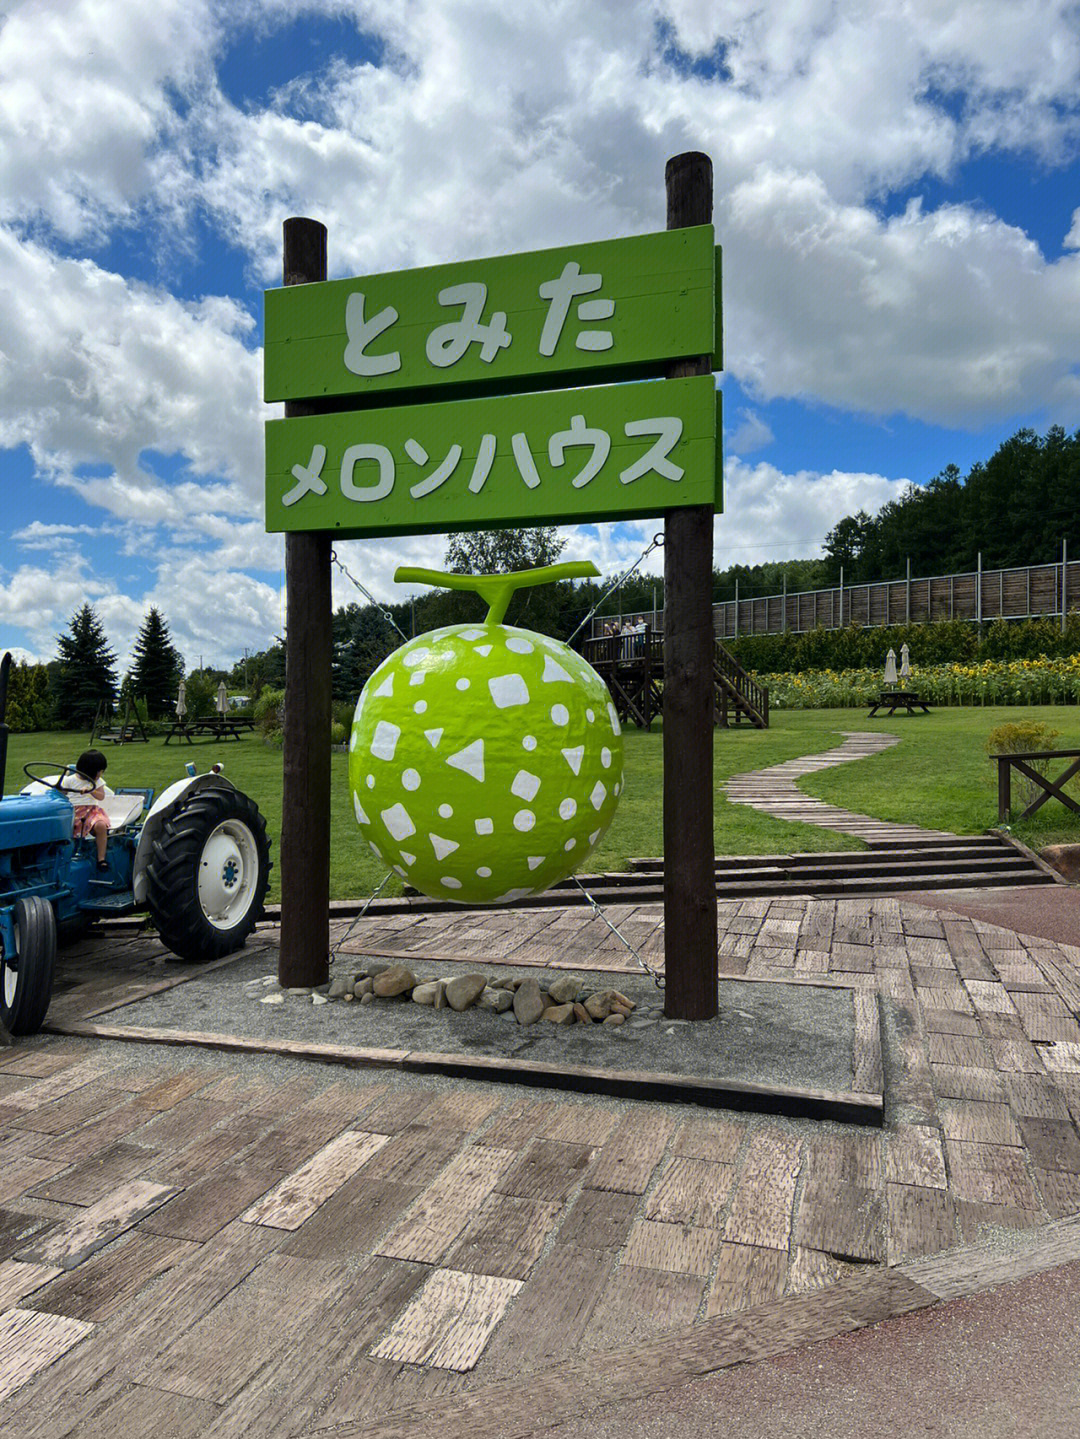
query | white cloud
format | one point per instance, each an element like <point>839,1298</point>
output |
<point>770,515</point>
<point>951,316</point>
<point>751,433</point>
<point>87,98</point>
<point>95,370</point>
<point>490,128</point>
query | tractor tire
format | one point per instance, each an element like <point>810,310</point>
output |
<point>207,879</point>
<point>26,976</point>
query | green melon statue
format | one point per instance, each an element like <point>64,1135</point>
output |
<point>485,762</point>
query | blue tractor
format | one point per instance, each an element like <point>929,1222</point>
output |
<point>197,860</point>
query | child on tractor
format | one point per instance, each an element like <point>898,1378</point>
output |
<point>85,788</point>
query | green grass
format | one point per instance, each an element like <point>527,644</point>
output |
<point>937,776</point>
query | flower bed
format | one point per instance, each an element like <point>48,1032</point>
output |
<point>989,682</point>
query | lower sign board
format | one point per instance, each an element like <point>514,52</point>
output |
<point>608,452</point>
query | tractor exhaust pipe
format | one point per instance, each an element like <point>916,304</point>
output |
<point>5,666</point>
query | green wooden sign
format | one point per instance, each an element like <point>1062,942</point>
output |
<point>567,456</point>
<point>613,309</point>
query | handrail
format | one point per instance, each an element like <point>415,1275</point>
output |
<point>1051,789</point>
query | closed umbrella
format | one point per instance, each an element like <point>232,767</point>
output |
<point>890,668</point>
<point>181,701</point>
<point>222,698</point>
<point>905,662</point>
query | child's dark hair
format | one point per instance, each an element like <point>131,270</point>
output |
<point>91,763</point>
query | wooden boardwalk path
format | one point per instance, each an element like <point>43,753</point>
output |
<point>200,1244</point>
<point>774,791</point>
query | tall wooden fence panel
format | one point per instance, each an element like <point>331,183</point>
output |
<point>1022,593</point>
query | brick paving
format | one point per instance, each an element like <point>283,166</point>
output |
<point>211,1244</point>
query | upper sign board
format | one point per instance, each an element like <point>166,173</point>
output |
<point>616,309</point>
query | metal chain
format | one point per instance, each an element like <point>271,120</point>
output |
<point>387,616</point>
<point>618,582</point>
<point>646,966</point>
<point>335,951</point>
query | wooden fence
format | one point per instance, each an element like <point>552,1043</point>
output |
<point>978,595</point>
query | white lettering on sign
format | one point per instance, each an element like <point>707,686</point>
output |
<point>580,434</point>
<point>361,332</point>
<point>309,477</point>
<point>447,344</point>
<point>352,457</point>
<point>667,428</point>
<point>559,293</point>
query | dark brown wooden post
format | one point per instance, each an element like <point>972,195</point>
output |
<point>305,810</point>
<point>1004,789</point>
<point>690,936</point>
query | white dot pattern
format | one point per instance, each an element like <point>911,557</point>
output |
<point>481,810</point>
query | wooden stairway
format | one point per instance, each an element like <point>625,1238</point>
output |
<point>737,692</point>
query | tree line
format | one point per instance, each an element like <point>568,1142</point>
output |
<point>1014,508</point>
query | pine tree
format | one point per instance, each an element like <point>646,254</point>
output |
<point>158,666</point>
<point>85,672</point>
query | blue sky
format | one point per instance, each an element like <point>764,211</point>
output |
<point>894,191</point>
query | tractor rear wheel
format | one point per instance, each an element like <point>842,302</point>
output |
<point>207,879</point>
<point>26,971</point>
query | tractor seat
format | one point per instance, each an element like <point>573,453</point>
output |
<point>122,809</point>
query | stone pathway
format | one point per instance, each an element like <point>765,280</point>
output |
<point>774,791</point>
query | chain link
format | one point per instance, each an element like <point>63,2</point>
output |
<point>618,582</point>
<point>657,978</point>
<point>387,616</point>
<point>336,949</point>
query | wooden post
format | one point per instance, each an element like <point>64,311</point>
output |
<point>1064,583</point>
<point>303,958</point>
<point>690,936</point>
<point>1004,789</point>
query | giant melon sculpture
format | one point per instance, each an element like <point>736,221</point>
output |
<point>485,761</point>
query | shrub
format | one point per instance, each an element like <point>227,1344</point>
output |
<point>270,710</point>
<point>1023,737</point>
<point>337,733</point>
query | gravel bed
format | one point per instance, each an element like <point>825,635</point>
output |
<point>774,1034</point>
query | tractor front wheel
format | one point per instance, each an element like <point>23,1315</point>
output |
<point>26,967</point>
<point>207,880</point>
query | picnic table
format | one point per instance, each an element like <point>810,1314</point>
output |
<point>217,727</point>
<point>898,699</point>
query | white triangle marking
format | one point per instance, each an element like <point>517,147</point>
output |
<point>470,759</point>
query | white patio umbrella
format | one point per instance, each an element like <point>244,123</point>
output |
<point>890,668</point>
<point>181,701</point>
<point>905,662</point>
<point>222,698</point>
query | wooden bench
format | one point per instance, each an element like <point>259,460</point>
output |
<point>898,699</point>
<point>1051,788</point>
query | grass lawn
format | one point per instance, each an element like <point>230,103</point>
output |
<point>938,776</point>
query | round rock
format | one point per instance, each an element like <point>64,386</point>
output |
<point>565,989</point>
<point>528,1001</point>
<point>393,981</point>
<point>464,990</point>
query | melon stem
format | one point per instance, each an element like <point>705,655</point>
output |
<point>498,590</point>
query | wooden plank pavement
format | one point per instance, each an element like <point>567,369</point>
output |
<point>191,1244</point>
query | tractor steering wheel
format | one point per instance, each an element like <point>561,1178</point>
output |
<point>28,770</point>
